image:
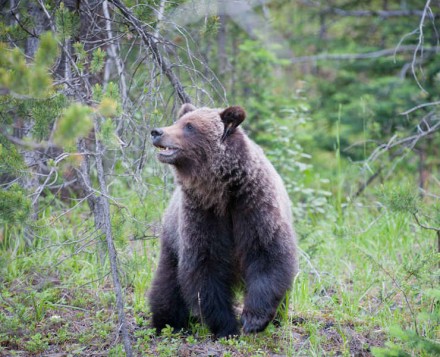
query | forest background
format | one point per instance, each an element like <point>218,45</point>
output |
<point>342,95</point>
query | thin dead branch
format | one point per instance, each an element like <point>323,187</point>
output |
<point>113,53</point>
<point>430,228</point>
<point>419,48</point>
<point>408,142</point>
<point>420,106</point>
<point>151,43</point>
<point>385,14</point>
<point>358,56</point>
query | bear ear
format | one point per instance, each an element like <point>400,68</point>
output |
<point>231,118</point>
<point>185,108</point>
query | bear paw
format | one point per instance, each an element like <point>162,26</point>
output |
<point>253,322</point>
<point>227,333</point>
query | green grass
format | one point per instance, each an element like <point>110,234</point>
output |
<point>364,276</point>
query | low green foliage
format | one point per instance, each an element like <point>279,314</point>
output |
<point>37,343</point>
<point>417,343</point>
<point>401,198</point>
<point>353,289</point>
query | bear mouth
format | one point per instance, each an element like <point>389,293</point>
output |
<point>166,153</point>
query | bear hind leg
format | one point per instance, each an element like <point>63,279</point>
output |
<point>166,302</point>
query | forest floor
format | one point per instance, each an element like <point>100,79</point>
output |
<point>67,329</point>
<point>363,275</point>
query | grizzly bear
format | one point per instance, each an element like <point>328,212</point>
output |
<point>228,225</point>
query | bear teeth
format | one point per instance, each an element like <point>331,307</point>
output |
<point>165,150</point>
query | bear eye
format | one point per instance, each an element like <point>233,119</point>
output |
<point>189,127</point>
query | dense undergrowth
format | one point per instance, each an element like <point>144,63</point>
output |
<point>369,278</point>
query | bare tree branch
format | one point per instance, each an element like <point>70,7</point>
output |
<point>408,142</point>
<point>419,47</point>
<point>423,105</point>
<point>151,43</point>
<point>113,54</point>
<point>364,185</point>
<point>357,56</point>
<point>371,13</point>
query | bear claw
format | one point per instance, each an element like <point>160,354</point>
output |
<point>253,323</point>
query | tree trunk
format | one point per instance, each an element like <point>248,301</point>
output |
<point>103,209</point>
<point>40,25</point>
<point>23,128</point>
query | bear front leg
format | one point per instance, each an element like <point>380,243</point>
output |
<point>166,302</point>
<point>268,277</point>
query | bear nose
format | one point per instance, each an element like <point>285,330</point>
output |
<point>156,133</point>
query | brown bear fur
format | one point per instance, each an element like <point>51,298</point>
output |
<point>228,224</point>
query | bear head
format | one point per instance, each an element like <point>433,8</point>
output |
<point>198,135</point>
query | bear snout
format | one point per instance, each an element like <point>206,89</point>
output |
<point>156,133</point>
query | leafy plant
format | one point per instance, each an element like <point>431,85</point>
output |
<point>37,343</point>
